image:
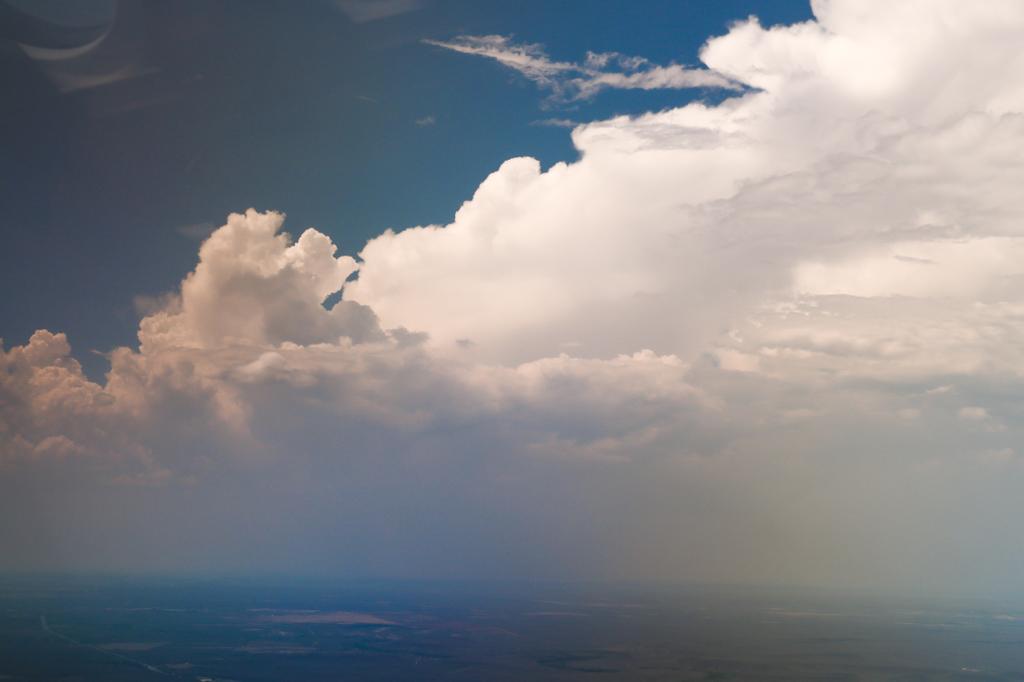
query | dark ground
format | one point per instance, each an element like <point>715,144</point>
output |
<point>119,629</point>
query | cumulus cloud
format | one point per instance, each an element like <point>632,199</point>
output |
<point>774,339</point>
<point>576,81</point>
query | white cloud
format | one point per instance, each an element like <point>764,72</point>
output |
<point>571,80</point>
<point>973,413</point>
<point>798,310</point>
<point>556,123</point>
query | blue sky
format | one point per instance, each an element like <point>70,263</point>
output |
<point>294,108</point>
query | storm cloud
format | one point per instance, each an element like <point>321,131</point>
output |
<point>775,339</point>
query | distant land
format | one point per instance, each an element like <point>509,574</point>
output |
<point>218,631</point>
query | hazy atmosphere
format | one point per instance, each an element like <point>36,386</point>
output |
<point>682,292</point>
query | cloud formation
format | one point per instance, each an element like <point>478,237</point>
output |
<point>576,81</point>
<point>775,339</point>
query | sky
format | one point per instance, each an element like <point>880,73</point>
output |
<point>688,292</point>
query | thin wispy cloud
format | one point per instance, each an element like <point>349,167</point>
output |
<point>569,81</point>
<point>556,123</point>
